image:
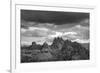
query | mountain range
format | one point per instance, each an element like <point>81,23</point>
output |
<point>59,50</point>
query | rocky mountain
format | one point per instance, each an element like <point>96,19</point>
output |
<point>45,47</point>
<point>59,50</point>
<point>57,43</point>
<point>34,46</point>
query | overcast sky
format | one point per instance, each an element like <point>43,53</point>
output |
<point>41,26</point>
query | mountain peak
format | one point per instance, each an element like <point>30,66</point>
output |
<point>33,43</point>
<point>45,47</point>
<point>57,43</point>
<point>45,44</point>
<point>58,40</point>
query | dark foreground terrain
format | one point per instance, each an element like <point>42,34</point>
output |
<point>59,50</point>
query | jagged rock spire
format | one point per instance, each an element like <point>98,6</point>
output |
<point>33,43</point>
<point>45,47</point>
<point>57,43</point>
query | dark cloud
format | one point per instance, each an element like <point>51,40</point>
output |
<point>41,26</point>
<point>54,27</point>
<point>37,32</point>
<point>85,22</point>
<point>26,24</point>
<point>53,16</point>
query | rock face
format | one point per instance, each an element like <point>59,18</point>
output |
<point>57,43</point>
<point>73,51</point>
<point>33,43</point>
<point>45,47</point>
<point>35,46</point>
<point>59,50</point>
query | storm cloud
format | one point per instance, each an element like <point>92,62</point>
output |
<point>53,16</point>
<point>44,26</point>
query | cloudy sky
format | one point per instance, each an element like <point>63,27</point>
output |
<point>41,26</point>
